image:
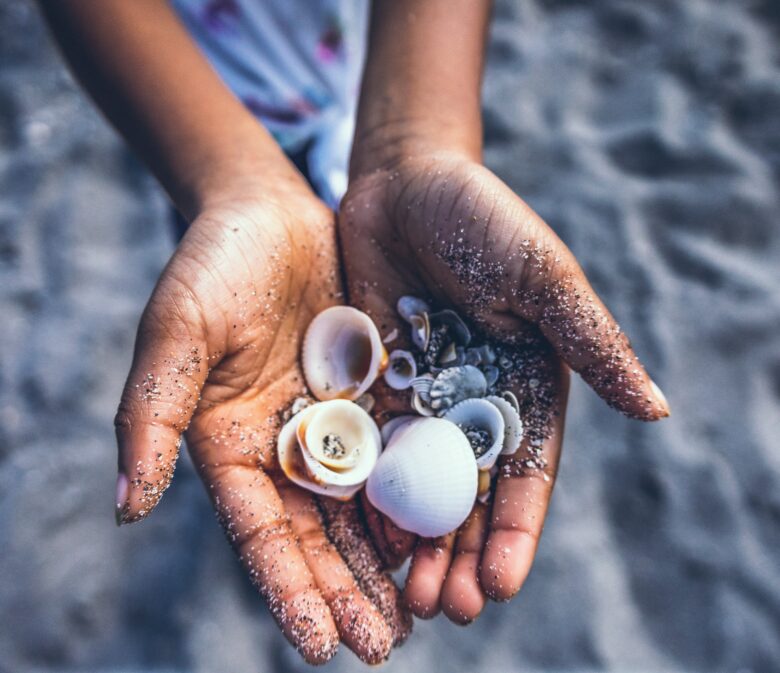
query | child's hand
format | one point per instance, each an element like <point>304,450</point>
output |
<point>217,356</point>
<point>442,227</point>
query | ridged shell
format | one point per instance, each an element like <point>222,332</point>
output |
<point>513,426</point>
<point>456,384</point>
<point>342,354</point>
<point>395,424</point>
<point>425,481</point>
<point>485,416</point>
<point>310,448</point>
<point>401,369</point>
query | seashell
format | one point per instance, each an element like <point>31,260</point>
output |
<point>395,424</point>
<point>491,373</point>
<point>425,481</point>
<point>342,354</point>
<point>457,330</point>
<point>452,356</point>
<point>456,384</point>
<point>391,336</point>
<point>420,405</point>
<point>422,386</point>
<point>483,424</point>
<point>513,426</point>
<point>421,330</point>
<point>510,397</point>
<point>409,306</point>
<point>366,402</point>
<point>329,448</point>
<point>401,369</point>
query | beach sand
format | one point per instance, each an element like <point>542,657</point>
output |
<point>648,135</point>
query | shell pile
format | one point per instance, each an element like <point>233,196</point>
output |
<point>438,458</point>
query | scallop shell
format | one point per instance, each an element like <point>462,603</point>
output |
<point>329,448</point>
<point>425,481</point>
<point>513,426</point>
<point>401,370</point>
<point>456,384</point>
<point>342,354</point>
<point>408,306</point>
<point>483,416</point>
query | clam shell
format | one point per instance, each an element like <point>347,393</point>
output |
<point>409,306</point>
<point>425,481</point>
<point>401,370</point>
<point>456,384</point>
<point>306,448</point>
<point>342,354</point>
<point>485,416</point>
<point>513,426</point>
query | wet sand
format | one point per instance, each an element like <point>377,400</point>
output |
<point>648,135</point>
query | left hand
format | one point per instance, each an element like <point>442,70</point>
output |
<point>442,227</point>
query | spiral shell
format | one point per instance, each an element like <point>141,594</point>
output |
<point>425,481</point>
<point>329,448</point>
<point>483,424</point>
<point>342,354</point>
<point>401,370</point>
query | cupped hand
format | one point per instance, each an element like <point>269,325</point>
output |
<point>442,227</point>
<point>217,356</point>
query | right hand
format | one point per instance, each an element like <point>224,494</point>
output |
<point>217,356</point>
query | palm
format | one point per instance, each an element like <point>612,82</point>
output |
<point>446,229</point>
<point>227,319</point>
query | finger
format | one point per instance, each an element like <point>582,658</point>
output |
<point>520,504</point>
<point>160,395</point>
<point>345,527</point>
<point>584,333</point>
<point>253,516</point>
<point>430,562</point>
<point>360,624</point>
<point>462,598</point>
<point>393,544</point>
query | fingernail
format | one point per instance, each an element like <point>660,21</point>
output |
<point>122,492</point>
<point>659,395</point>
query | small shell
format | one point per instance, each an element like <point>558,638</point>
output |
<point>421,331</point>
<point>481,421</point>
<point>457,330</point>
<point>491,373</point>
<point>401,369</point>
<point>366,402</point>
<point>395,424</point>
<point>513,426</point>
<point>510,397</point>
<point>408,306</point>
<point>342,354</point>
<point>329,448</point>
<point>391,336</point>
<point>420,405</point>
<point>456,384</point>
<point>425,481</point>
<point>422,386</point>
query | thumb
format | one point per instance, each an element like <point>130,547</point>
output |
<point>581,329</point>
<point>170,365</point>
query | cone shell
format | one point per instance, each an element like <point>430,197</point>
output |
<point>329,448</point>
<point>342,354</point>
<point>425,481</point>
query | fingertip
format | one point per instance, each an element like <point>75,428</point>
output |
<point>506,563</point>
<point>308,624</point>
<point>462,598</point>
<point>363,629</point>
<point>430,563</point>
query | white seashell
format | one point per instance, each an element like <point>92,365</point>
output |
<point>408,306</point>
<point>425,481</point>
<point>513,426</point>
<point>342,354</point>
<point>401,369</point>
<point>480,416</point>
<point>392,336</point>
<point>421,331</point>
<point>422,385</point>
<point>394,425</point>
<point>510,397</point>
<point>456,384</point>
<point>329,448</point>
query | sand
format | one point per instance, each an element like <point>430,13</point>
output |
<point>648,134</point>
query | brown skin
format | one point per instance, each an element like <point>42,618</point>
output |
<point>419,211</point>
<point>217,348</point>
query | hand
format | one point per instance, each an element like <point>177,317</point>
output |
<point>217,355</point>
<point>442,227</point>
